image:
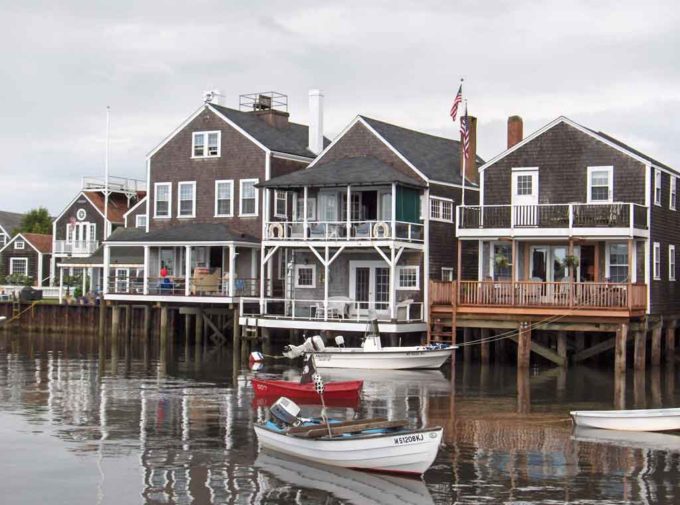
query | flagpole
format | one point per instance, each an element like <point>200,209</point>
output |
<point>462,145</point>
<point>106,176</point>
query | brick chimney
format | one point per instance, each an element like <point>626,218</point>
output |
<point>471,162</point>
<point>273,117</point>
<point>515,130</point>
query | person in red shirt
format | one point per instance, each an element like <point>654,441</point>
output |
<point>164,270</point>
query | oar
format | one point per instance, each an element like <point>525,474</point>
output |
<point>318,384</point>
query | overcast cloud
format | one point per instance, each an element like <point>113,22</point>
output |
<point>610,65</point>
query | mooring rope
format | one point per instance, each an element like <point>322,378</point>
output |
<point>511,333</point>
<point>17,316</point>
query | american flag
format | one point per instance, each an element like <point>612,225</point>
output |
<point>465,133</point>
<point>456,103</point>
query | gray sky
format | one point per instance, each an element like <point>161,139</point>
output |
<point>610,65</point>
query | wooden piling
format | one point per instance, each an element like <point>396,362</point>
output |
<point>164,325</point>
<point>562,346</point>
<point>620,349</point>
<point>115,320</point>
<point>523,391</point>
<point>656,347</point>
<point>484,347</point>
<point>146,329</point>
<point>467,349</point>
<point>199,328</point>
<point>524,345</point>
<point>266,341</point>
<point>640,350</point>
<point>670,344</point>
<point>128,321</point>
<point>236,333</point>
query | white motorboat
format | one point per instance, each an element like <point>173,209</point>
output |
<point>345,484</point>
<point>637,440</point>
<point>629,420</point>
<point>372,355</point>
<point>370,444</point>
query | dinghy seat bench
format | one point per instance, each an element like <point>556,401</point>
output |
<point>321,430</point>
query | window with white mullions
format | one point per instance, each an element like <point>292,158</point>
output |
<point>19,244</point>
<point>600,184</point>
<point>224,198</point>
<point>447,274</point>
<point>206,144</point>
<point>618,262</point>
<point>140,221</point>
<point>671,262</point>
<point>657,187</point>
<point>18,266</point>
<point>305,276</point>
<point>249,197</point>
<point>656,267</point>
<point>280,204</point>
<point>408,277</point>
<point>441,209</point>
<point>674,192</point>
<point>525,184</point>
<point>186,206</point>
<point>162,191</point>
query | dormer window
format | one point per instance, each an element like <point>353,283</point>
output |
<point>19,244</point>
<point>206,144</point>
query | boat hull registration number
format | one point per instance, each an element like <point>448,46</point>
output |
<point>409,439</point>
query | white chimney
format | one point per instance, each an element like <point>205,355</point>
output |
<point>315,121</point>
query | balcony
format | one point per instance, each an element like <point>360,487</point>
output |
<point>338,231</point>
<point>606,297</point>
<point>558,219</point>
<point>177,286</point>
<point>75,246</point>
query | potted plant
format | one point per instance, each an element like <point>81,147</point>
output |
<point>571,261</point>
<point>501,260</point>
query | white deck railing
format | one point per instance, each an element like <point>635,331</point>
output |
<point>75,247</point>
<point>344,230</point>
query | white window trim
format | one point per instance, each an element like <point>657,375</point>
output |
<point>205,144</point>
<point>656,266</point>
<point>155,200</point>
<point>610,176</point>
<point>137,225</point>
<point>240,198</point>
<point>18,243</point>
<point>671,262</point>
<point>11,265</point>
<point>440,199</point>
<point>401,268</point>
<point>278,193</point>
<point>231,200</point>
<point>297,269</point>
<point>657,185</point>
<point>193,199</point>
<point>447,269</point>
<point>673,196</point>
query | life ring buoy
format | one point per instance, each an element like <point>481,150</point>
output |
<point>381,230</point>
<point>275,230</point>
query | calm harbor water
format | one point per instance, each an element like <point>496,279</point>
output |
<point>83,422</point>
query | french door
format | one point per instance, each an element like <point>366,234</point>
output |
<point>80,235</point>
<point>369,286</point>
<point>525,198</point>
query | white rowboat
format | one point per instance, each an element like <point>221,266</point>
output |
<point>387,358</point>
<point>628,420</point>
<point>405,452</point>
<point>629,439</point>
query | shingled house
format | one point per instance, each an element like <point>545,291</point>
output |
<point>26,255</point>
<point>205,212</point>
<point>361,231</point>
<point>9,221</point>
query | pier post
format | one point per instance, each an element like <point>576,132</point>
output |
<point>128,322</point>
<point>580,341</point>
<point>499,350</point>
<point>670,344</point>
<point>656,347</point>
<point>266,341</point>
<point>199,329</point>
<point>523,391</point>
<point>524,345</point>
<point>164,325</point>
<point>484,335</point>
<point>639,388</point>
<point>115,320</point>
<point>236,336</point>
<point>640,350</point>
<point>467,349</point>
<point>619,390</point>
<point>146,329</point>
<point>187,327</point>
<point>620,349</point>
<point>562,346</point>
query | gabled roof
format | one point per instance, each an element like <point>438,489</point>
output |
<point>602,137</point>
<point>9,221</point>
<point>42,242</point>
<point>363,170</point>
<point>438,158</point>
<point>291,139</point>
<point>194,232</point>
<point>118,204</point>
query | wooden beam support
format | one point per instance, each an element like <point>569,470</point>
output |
<point>594,350</point>
<point>537,348</point>
<point>656,347</point>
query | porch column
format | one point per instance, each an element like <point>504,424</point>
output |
<point>394,210</point>
<point>187,270</point>
<point>232,269</point>
<point>40,270</point>
<point>83,281</point>
<point>145,278</point>
<point>107,269</point>
<point>393,284</point>
<point>631,265</point>
<point>61,284</point>
<point>262,270</point>
<point>349,211</point>
<point>304,212</point>
<point>325,285</point>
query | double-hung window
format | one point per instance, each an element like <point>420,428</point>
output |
<point>600,184</point>
<point>447,274</point>
<point>224,198</point>
<point>305,276</point>
<point>671,262</point>
<point>280,204</point>
<point>408,277</point>
<point>206,144</point>
<point>140,221</point>
<point>186,199</point>
<point>248,197</point>
<point>18,266</point>
<point>441,209</point>
<point>19,244</point>
<point>300,208</point>
<point>618,262</point>
<point>674,193</point>
<point>656,271</point>
<point>657,186</point>
<point>162,195</point>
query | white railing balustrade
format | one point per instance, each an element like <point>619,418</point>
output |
<point>344,230</point>
<point>75,246</point>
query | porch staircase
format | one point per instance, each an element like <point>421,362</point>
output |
<point>441,329</point>
<point>442,313</point>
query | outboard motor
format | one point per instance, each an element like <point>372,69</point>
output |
<point>340,341</point>
<point>313,344</point>
<point>317,343</point>
<point>285,412</point>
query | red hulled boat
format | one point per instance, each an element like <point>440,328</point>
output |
<point>333,391</point>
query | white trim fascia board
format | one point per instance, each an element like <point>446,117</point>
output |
<point>291,157</point>
<point>134,206</point>
<point>238,129</point>
<point>22,238</point>
<point>337,137</point>
<point>481,189</point>
<point>553,123</point>
<point>54,223</point>
<point>2,230</point>
<point>182,243</point>
<point>519,233</point>
<point>452,185</point>
<point>176,131</point>
<point>148,192</point>
<point>312,324</point>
